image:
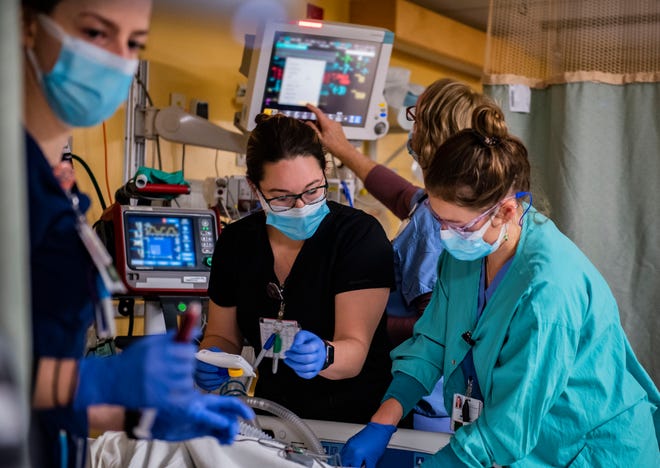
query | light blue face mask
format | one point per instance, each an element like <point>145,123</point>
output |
<point>410,149</point>
<point>87,84</point>
<point>297,223</point>
<point>473,246</point>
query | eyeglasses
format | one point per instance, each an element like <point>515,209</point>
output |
<point>410,113</point>
<point>308,197</point>
<point>464,230</point>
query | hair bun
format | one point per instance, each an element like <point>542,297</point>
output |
<point>489,125</point>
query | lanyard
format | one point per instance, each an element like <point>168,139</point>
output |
<point>108,282</point>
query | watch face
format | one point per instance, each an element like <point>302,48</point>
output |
<point>329,355</point>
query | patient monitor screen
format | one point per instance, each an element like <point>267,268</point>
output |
<point>160,242</point>
<point>334,74</point>
<point>338,67</point>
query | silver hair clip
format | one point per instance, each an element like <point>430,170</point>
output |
<point>486,140</point>
<point>490,141</point>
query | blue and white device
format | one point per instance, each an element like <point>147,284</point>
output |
<point>340,68</point>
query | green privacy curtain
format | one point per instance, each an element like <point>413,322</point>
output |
<point>591,69</point>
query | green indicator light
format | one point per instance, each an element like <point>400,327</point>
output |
<point>182,307</point>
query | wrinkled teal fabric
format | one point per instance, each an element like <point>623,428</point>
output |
<point>560,382</point>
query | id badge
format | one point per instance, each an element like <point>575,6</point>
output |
<point>101,258</point>
<point>287,329</point>
<point>465,410</point>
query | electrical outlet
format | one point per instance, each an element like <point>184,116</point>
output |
<point>178,100</point>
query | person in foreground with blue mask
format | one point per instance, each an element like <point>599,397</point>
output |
<point>80,57</point>
<point>538,370</point>
<point>304,272</point>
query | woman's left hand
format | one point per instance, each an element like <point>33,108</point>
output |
<point>306,355</point>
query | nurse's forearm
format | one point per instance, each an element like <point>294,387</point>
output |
<point>390,412</point>
<point>56,381</point>
<point>220,342</point>
<point>106,418</point>
<point>350,355</point>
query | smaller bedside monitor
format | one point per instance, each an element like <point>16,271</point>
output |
<point>340,68</point>
<point>162,250</point>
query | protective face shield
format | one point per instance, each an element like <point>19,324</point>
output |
<point>297,223</point>
<point>87,83</point>
<point>472,246</point>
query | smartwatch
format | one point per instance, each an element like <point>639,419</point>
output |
<point>329,355</point>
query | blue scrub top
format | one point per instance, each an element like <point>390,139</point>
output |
<point>416,252</point>
<point>63,288</point>
<point>484,295</point>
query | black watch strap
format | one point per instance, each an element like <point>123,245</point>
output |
<point>329,355</point>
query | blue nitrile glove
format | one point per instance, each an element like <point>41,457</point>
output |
<point>202,415</point>
<point>208,376</point>
<point>153,372</point>
<point>306,355</point>
<point>367,446</point>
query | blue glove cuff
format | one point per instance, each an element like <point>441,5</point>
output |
<point>387,428</point>
<point>94,374</point>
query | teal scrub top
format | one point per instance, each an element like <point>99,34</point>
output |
<point>560,381</point>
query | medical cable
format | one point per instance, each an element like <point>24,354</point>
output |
<point>183,160</point>
<point>347,192</point>
<point>95,183</point>
<point>144,88</point>
<point>297,454</point>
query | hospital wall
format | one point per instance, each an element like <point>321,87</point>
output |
<point>197,52</point>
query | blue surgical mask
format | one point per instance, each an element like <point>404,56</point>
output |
<point>473,246</point>
<point>411,151</point>
<point>87,83</point>
<point>297,223</point>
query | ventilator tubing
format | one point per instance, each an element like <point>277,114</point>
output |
<point>309,438</point>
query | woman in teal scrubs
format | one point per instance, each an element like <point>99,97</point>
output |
<point>526,332</point>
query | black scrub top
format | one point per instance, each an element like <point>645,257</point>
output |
<point>349,251</point>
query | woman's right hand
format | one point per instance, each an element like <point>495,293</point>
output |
<point>367,446</point>
<point>209,377</point>
<point>330,133</point>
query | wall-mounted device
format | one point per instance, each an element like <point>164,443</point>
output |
<point>160,251</point>
<point>340,68</point>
